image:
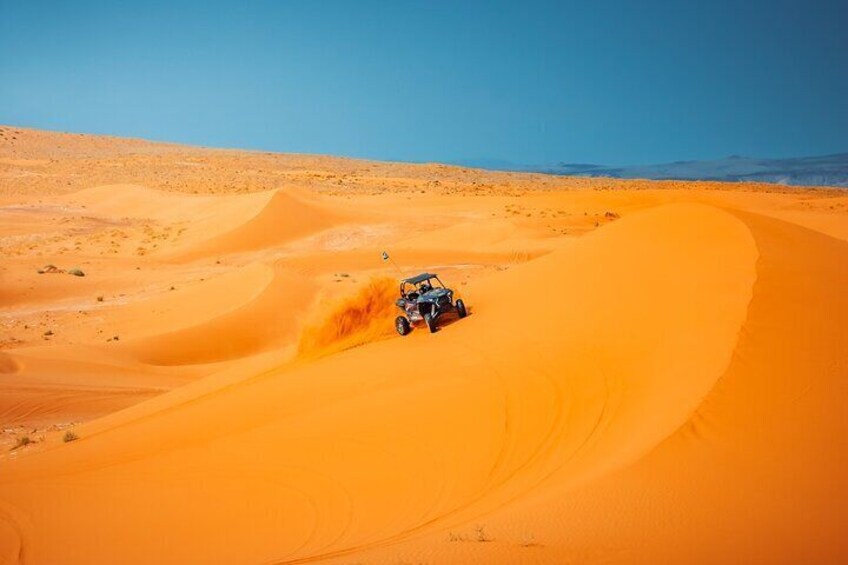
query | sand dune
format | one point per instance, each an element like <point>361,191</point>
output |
<point>281,219</point>
<point>219,224</point>
<point>269,320</point>
<point>755,472</point>
<point>651,375</point>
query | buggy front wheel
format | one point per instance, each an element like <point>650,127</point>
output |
<point>431,322</point>
<point>460,308</point>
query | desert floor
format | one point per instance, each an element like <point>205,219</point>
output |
<point>652,372</point>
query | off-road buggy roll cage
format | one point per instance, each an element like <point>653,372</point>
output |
<point>414,287</point>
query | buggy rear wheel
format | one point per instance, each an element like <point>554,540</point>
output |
<point>402,325</point>
<point>460,308</point>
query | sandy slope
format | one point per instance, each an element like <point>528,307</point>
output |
<point>652,372</point>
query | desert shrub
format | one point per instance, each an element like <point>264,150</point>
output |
<point>23,441</point>
<point>77,272</point>
<point>480,534</point>
<point>528,540</point>
<point>69,436</point>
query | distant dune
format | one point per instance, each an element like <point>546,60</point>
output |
<point>828,170</point>
<point>198,363</point>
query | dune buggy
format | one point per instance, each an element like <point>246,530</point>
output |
<point>423,298</point>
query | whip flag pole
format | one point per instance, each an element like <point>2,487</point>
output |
<point>387,258</point>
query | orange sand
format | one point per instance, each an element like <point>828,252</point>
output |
<point>652,372</point>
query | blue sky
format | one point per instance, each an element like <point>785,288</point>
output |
<point>610,81</point>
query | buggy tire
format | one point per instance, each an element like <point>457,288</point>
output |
<point>402,325</point>
<point>431,323</point>
<point>460,308</point>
